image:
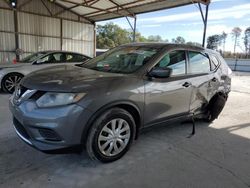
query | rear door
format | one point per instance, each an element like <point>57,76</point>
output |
<point>168,97</point>
<point>215,77</point>
<point>199,71</point>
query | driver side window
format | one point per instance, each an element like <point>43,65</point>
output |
<point>53,58</point>
<point>176,60</point>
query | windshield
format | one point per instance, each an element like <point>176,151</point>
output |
<point>32,57</point>
<point>122,59</point>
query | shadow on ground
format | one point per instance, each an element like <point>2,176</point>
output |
<point>162,157</point>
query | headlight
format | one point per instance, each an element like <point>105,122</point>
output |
<point>57,99</point>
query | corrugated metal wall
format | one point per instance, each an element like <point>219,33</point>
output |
<point>7,37</point>
<point>78,37</point>
<point>38,32</point>
<point>38,25</point>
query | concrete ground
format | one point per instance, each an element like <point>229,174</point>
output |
<point>217,156</point>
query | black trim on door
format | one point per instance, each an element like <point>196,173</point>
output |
<point>174,78</point>
<point>172,118</point>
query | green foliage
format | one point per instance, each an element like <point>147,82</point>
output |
<point>154,38</point>
<point>111,35</point>
<point>194,43</point>
<point>213,42</point>
<point>219,40</point>
<point>179,40</point>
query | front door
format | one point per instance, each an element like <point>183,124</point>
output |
<point>50,60</point>
<point>168,97</point>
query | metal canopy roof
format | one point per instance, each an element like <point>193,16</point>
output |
<point>99,10</point>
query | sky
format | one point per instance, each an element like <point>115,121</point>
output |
<point>186,21</point>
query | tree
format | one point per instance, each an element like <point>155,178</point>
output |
<point>154,38</point>
<point>247,40</point>
<point>111,35</point>
<point>194,43</point>
<point>236,32</point>
<point>223,38</point>
<point>141,38</point>
<point>138,37</point>
<point>179,40</point>
<point>213,42</point>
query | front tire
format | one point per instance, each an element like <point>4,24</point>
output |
<point>111,135</point>
<point>10,81</point>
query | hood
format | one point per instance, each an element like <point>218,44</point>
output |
<point>10,65</point>
<point>68,78</point>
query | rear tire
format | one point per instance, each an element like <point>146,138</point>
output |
<point>215,107</point>
<point>10,81</point>
<point>111,135</point>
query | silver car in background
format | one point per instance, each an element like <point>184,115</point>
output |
<point>11,74</point>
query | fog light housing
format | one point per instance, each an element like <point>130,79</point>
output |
<point>49,135</point>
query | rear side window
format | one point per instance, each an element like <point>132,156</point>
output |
<point>175,60</point>
<point>76,58</point>
<point>214,62</point>
<point>198,63</point>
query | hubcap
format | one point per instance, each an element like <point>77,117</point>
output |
<point>11,82</point>
<point>114,137</point>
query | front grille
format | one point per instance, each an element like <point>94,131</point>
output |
<point>49,135</point>
<point>21,130</point>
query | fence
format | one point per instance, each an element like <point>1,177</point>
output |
<point>239,64</point>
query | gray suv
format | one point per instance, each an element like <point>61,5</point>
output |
<point>103,104</point>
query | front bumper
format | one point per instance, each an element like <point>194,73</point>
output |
<point>49,129</point>
<point>1,79</point>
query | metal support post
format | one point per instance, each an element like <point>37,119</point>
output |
<point>134,32</point>
<point>16,33</point>
<point>132,27</point>
<point>204,19</point>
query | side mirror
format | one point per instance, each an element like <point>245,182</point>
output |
<point>160,72</point>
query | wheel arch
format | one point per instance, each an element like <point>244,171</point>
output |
<point>11,73</point>
<point>132,108</point>
<point>218,93</point>
<point>214,97</point>
<point>7,74</point>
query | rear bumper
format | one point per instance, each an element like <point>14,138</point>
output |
<point>49,129</point>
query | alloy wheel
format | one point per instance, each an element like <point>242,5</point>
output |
<point>11,82</point>
<point>114,137</point>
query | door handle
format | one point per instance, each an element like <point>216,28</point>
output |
<point>214,79</point>
<point>186,84</point>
